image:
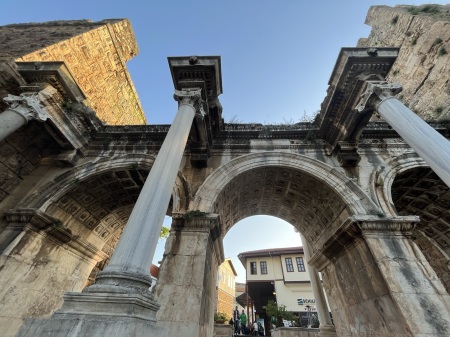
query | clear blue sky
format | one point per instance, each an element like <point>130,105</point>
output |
<point>277,57</point>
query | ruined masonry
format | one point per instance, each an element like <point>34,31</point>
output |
<point>366,184</point>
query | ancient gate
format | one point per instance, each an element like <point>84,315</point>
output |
<point>372,207</point>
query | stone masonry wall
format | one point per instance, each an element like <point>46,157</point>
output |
<point>225,302</point>
<point>95,53</point>
<point>424,58</point>
<point>438,261</point>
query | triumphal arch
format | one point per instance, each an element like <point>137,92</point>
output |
<point>365,183</point>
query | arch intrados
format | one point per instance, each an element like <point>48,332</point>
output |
<point>355,199</point>
<point>61,184</point>
<point>388,174</point>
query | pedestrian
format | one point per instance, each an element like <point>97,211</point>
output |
<point>236,319</point>
<point>255,329</point>
<point>243,319</point>
<point>260,329</point>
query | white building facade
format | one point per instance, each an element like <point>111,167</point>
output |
<point>280,274</point>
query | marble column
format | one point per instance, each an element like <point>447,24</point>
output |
<point>426,141</point>
<point>130,264</point>
<point>21,109</point>
<point>326,326</point>
<point>120,303</point>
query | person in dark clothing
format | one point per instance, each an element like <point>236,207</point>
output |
<point>236,319</point>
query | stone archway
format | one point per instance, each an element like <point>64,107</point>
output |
<point>305,192</point>
<point>356,246</point>
<point>59,233</point>
<point>270,183</point>
<point>410,187</point>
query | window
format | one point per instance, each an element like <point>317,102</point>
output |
<point>253,268</point>
<point>289,266</point>
<point>263,265</point>
<point>300,264</point>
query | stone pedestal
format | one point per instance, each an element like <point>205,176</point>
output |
<point>222,330</point>
<point>186,284</point>
<point>379,283</point>
<point>88,315</point>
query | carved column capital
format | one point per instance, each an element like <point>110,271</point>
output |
<point>375,93</point>
<point>195,221</point>
<point>28,106</point>
<point>192,97</point>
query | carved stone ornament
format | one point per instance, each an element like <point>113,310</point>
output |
<point>375,93</point>
<point>191,97</point>
<point>204,222</point>
<point>28,106</point>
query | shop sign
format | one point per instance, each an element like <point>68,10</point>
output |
<point>305,301</point>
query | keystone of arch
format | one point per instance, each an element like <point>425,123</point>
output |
<point>356,199</point>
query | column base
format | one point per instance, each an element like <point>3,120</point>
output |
<point>98,315</point>
<point>327,331</point>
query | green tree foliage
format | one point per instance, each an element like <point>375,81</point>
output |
<point>278,312</point>
<point>164,232</point>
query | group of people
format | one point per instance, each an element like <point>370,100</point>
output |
<point>239,320</point>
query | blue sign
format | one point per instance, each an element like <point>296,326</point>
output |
<point>304,301</point>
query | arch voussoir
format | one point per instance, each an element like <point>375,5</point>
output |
<point>356,199</point>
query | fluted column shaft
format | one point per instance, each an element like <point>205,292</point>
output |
<point>22,109</point>
<point>321,302</point>
<point>134,253</point>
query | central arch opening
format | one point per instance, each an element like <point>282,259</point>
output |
<point>294,196</point>
<point>264,239</point>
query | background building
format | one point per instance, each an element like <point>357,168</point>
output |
<point>281,275</point>
<point>226,287</point>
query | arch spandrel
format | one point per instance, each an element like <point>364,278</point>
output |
<point>305,192</point>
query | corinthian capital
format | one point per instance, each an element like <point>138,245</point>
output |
<point>191,97</point>
<point>28,106</point>
<point>375,93</point>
